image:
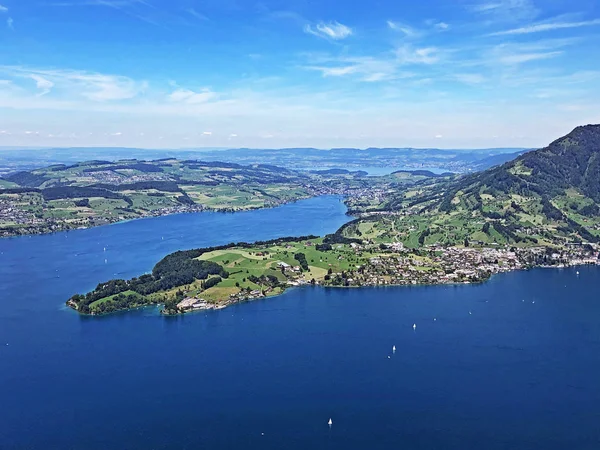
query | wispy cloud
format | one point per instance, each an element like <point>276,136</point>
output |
<point>364,68</point>
<point>10,23</point>
<point>407,30</point>
<point>506,10</point>
<point>528,57</point>
<point>329,30</point>
<point>412,32</point>
<point>192,97</point>
<point>541,27</point>
<point>519,53</point>
<point>43,84</point>
<point>93,86</point>
<point>470,78</point>
<point>196,14</point>
<point>3,9</point>
<point>409,55</point>
<point>137,9</point>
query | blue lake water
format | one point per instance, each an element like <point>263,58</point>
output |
<point>520,372</point>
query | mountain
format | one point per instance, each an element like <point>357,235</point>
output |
<point>454,160</point>
<point>571,162</point>
<point>496,160</point>
<point>549,196</point>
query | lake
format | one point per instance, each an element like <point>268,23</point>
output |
<point>509,364</point>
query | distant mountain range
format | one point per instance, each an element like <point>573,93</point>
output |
<point>459,161</point>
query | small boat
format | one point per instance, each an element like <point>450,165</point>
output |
<point>394,349</point>
<point>330,422</point>
<point>414,326</point>
<point>577,273</point>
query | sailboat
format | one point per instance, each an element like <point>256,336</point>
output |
<point>414,326</point>
<point>330,422</point>
<point>394,349</point>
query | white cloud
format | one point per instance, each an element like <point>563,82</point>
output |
<point>93,86</point>
<point>207,133</point>
<point>426,55</point>
<point>521,58</point>
<point>365,68</point>
<point>3,9</point>
<point>374,77</point>
<point>334,71</point>
<point>470,78</point>
<point>507,10</point>
<point>407,30</point>
<point>541,27</point>
<point>411,32</point>
<point>118,133</point>
<point>331,30</point>
<point>43,84</point>
<point>515,53</point>
<point>192,97</point>
<point>196,14</point>
<point>10,23</point>
<point>438,136</point>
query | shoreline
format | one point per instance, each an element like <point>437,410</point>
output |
<point>222,306</point>
<point>67,229</point>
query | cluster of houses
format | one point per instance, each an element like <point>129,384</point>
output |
<point>370,193</point>
<point>441,265</point>
<point>128,176</point>
<point>393,264</point>
<point>9,213</point>
<point>195,304</point>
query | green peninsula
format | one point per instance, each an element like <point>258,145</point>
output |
<point>539,210</point>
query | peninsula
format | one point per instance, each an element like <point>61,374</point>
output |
<point>435,231</point>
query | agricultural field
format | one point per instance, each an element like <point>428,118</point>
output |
<point>97,192</point>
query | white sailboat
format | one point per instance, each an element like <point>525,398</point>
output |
<point>414,326</point>
<point>394,349</point>
<point>330,422</point>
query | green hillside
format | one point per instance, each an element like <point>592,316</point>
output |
<point>548,196</point>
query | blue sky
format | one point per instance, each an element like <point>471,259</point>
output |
<point>275,73</point>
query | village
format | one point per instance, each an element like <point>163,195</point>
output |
<point>436,264</point>
<point>393,264</point>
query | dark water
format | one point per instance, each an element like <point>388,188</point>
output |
<point>513,374</point>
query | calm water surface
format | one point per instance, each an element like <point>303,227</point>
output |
<point>511,364</point>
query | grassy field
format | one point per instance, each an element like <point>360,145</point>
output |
<point>265,261</point>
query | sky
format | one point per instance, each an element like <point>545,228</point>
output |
<point>297,73</point>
